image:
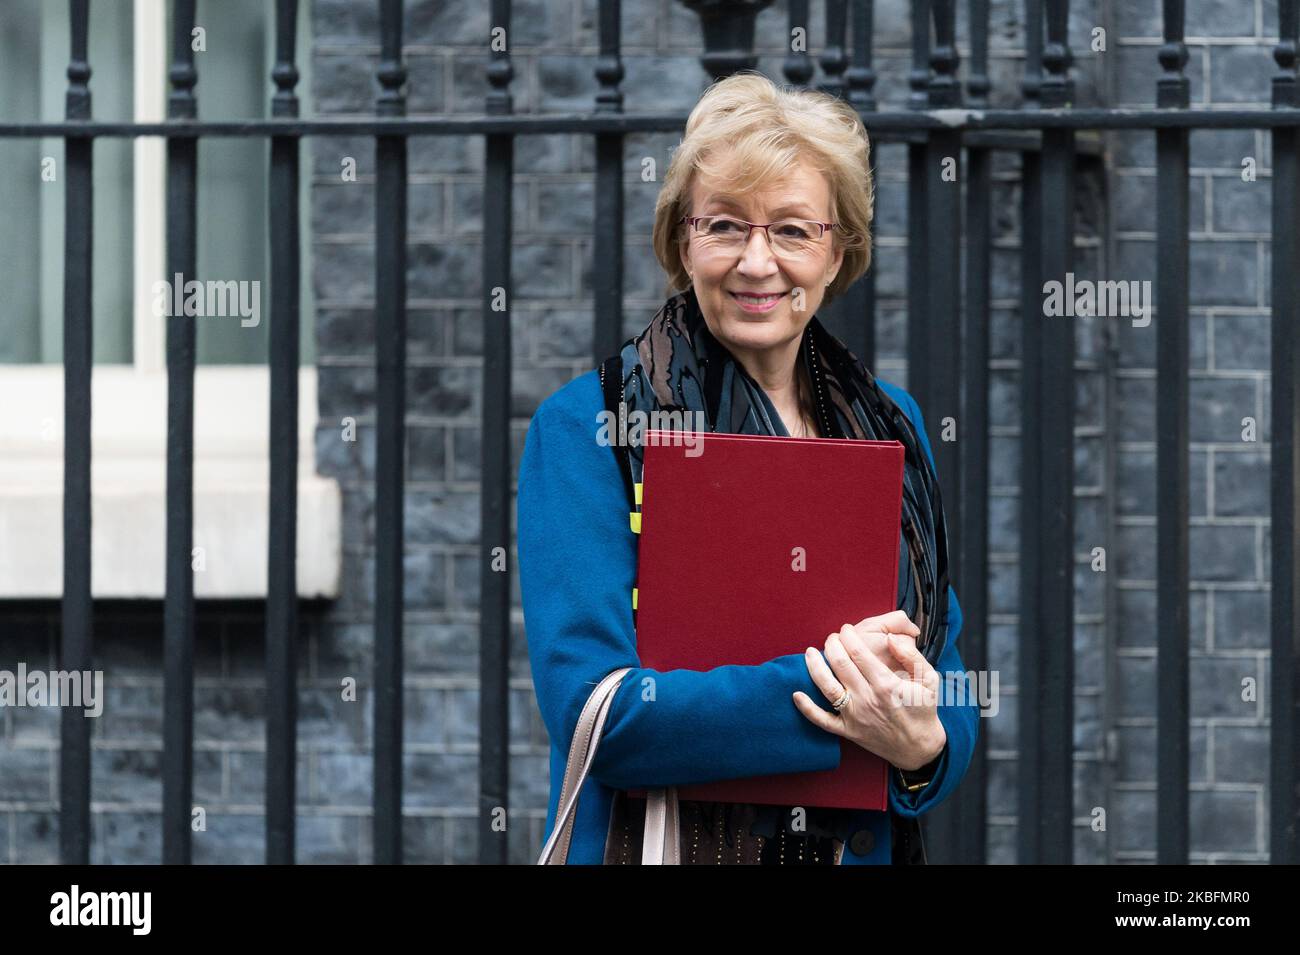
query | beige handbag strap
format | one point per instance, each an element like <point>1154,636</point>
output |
<point>661,824</point>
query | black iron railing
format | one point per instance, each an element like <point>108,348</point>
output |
<point>948,338</point>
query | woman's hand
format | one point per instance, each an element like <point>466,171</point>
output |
<point>893,690</point>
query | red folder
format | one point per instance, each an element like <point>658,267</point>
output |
<point>727,521</point>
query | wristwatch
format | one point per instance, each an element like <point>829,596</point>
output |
<point>914,780</point>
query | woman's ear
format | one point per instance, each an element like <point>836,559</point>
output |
<point>833,269</point>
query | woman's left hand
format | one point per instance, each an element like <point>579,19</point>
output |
<point>891,712</point>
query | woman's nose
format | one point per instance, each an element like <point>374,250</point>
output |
<point>758,255</point>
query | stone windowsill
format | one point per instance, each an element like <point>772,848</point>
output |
<point>128,473</point>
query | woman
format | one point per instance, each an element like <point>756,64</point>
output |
<point>765,213</point>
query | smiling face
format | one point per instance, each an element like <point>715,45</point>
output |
<point>757,332</point>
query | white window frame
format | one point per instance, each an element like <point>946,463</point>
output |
<point>129,428</point>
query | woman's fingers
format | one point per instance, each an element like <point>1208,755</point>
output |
<point>846,670</point>
<point>896,621</point>
<point>827,681</point>
<point>830,722</point>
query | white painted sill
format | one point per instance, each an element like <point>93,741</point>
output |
<point>128,441</point>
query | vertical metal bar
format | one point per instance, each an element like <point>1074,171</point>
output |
<point>1029,652</point>
<point>833,59</point>
<point>281,584</point>
<point>860,298</point>
<point>972,806</point>
<point>608,247</point>
<point>178,604</point>
<point>798,65</point>
<point>918,244</point>
<point>1055,522</point>
<point>494,610</point>
<point>861,74</point>
<point>1173,731</point>
<point>75,640</point>
<point>943,169</point>
<point>390,382</point>
<point>1284,742</point>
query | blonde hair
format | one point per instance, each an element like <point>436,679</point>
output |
<point>762,130</point>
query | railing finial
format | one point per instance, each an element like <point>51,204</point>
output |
<point>1286,84</point>
<point>1057,88</point>
<point>391,72</point>
<point>285,72</point>
<point>728,34</point>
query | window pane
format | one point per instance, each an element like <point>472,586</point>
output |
<point>233,240</point>
<point>33,85</point>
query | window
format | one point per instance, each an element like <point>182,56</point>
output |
<point>129,59</point>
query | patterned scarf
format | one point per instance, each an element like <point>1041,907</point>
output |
<point>676,365</point>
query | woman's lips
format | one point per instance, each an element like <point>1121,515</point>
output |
<point>756,304</point>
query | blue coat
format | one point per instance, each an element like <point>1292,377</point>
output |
<point>577,567</point>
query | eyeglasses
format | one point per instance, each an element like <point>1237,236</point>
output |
<point>792,238</point>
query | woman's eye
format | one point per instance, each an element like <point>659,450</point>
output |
<point>794,232</point>
<point>724,225</point>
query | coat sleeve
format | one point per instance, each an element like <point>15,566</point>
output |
<point>958,709</point>
<point>577,566</point>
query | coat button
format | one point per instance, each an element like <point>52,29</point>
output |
<point>862,842</point>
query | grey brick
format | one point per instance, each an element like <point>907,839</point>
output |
<point>1216,686</point>
<point>426,453</point>
<point>345,332</point>
<point>1241,74</point>
<point>442,648</point>
<point>1241,483</point>
<point>1242,206</point>
<point>1241,342</point>
<point>344,82</point>
<point>29,774</point>
<point>1136,694</point>
<point>1223,273</point>
<point>1241,619</point>
<point>441,516</point>
<point>326,719</point>
<point>135,838</point>
<point>1216,407</point>
<point>1131,820</point>
<point>1135,617</point>
<point>345,779</point>
<point>133,775</point>
<point>441,780</point>
<point>333,840</point>
<point>1004,588</point>
<point>425,586</point>
<point>130,713</point>
<point>34,724</point>
<point>1221,552</point>
<point>37,841</point>
<point>1223,821</point>
<point>424,840</point>
<point>1241,754</point>
<point>456,23</point>
<point>439,270</point>
<point>444,389</point>
<point>229,714</point>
